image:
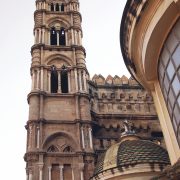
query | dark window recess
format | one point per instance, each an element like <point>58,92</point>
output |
<point>52,7</point>
<point>101,143</point>
<point>53,36</point>
<point>57,7</point>
<point>156,134</point>
<point>62,7</point>
<point>62,38</point>
<point>64,81</point>
<point>68,149</point>
<point>54,80</point>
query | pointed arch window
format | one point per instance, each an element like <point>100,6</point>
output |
<point>54,80</point>
<point>52,149</point>
<point>62,38</point>
<point>64,80</point>
<point>57,7</point>
<point>62,7</point>
<point>52,7</point>
<point>53,36</point>
<point>68,149</point>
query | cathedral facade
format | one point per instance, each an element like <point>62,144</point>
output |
<point>73,119</point>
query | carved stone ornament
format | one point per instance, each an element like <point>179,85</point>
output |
<point>31,157</point>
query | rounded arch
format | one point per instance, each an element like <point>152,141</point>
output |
<point>155,31</point>
<point>55,135</point>
<point>58,60</point>
<point>58,23</point>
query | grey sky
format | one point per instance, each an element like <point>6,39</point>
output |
<point>101,22</point>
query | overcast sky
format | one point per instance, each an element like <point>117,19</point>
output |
<point>101,23</point>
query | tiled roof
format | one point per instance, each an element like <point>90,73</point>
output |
<point>132,152</point>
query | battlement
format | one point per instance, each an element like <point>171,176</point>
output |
<point>116,80</point>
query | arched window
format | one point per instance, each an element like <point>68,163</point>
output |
<point>62,37</point>
<point>52,7</point>
<point>54,80</point>
<point>68,149</point>
<point>169,76</point>
<point>64,80</point>
<point>57,7</point>
<point>52,149</point>
<point>53,36</point>
<point>62,7</point>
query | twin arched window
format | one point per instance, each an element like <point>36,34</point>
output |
<point>57,7</point>
<point>58,37</point>
<point>59,79</point>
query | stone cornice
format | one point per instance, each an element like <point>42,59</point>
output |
<point>57,48</point>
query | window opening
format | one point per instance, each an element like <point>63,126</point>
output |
<point>52,149</point>
<point>52,7</point>
<point>62,38</point>
<point>53,36</point>
<point>62,7</point>
<point>68,149</point>
<point>64,80</point>
<point>54,80</point>
<point>57,7</point>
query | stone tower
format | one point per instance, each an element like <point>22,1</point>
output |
<point>59,132</point>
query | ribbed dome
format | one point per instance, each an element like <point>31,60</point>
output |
<point>132,152</point>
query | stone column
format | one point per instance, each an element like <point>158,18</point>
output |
<point>59,81</point>
<point>66,37</point>
<point>84,79</point>
<point>90,138</point>
<point>70,7</point>
<point>44,5</point>
<point>35,36</point>
<point>49,38</point>
<point>80,39</point>
<point>30,175</point>
<point>60,7</point>
<point>75,37</point>
<point>49,172</point>
<point>57,38</point>
<point>54,7</point>
<point>41,172</point>
<point>42,78</point>
<point>39,35</point>
<point>73,173</point>
<point>72,36</point>
<point>49,81</point>
<point>37,80</point>
<point>61,172</point>
<point>82,136</point>
<point>76,80</point>
<point>80,82</point>
<point>43,36</point>
<point>30,137</point>
<point>32,86</point>
<point>82,175</point>
<point>38,135</point>
<point>69,81</point>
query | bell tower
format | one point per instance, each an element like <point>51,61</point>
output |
<point>59,132</point>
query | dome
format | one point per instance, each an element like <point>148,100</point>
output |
<point>131,153</point>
